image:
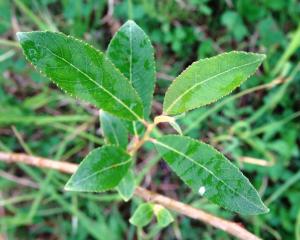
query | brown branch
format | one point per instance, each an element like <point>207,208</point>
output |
<point>227,226</point>
<point>256,161</point>
<point>38,162</point>
<point>18,180</point>
<point>139,143</point>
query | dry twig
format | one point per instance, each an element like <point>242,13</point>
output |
<point>227,226</point>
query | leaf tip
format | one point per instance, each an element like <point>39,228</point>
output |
<point>20,36</point>
<point>262,56</point>
<point>131,221</point>
<point>130,22</point>
<point>262,209</point>
<point>265,209</point>
<point>69,186</point>
<point>126,199</point>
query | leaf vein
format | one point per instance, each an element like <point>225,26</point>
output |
<point>103,170</point>
<point>95,82</point>
<point>206,80</point>
<point>200,165</point>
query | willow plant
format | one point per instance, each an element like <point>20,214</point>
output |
<point>121,83</point>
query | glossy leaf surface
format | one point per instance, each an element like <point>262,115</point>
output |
<point>127,186</point>
<point>210,174</point>
<point>132,53</point>
<point>101,170</point>
<point>207,80</point>
<point>82,71</point>
<point>114,131</point>
<point>142,215</point>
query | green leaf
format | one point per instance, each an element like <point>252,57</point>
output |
<point>163,216</point>
<point>207,80</point>
<point>177,128</point>
<point>134,128</point>
<point>132,53</point>
<point>114,131</point>
<point>127,186</point>
<point>101,170</point>
<point>210,174</point>
<point>170,120</point>
<point>82,71</point>
<point>142,215</point>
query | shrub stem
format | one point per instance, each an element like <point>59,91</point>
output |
<point>230,227</point>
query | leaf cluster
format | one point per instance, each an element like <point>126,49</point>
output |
<point>121,83</point>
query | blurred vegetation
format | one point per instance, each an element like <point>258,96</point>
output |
<point>256,122</point>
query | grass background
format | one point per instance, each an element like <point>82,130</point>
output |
<point>255,121</point>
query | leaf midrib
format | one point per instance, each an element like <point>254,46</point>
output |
<point>130,64</point>
<point>206,80</point>
<point>103,170</point>
<point>95,82</point>
<point>200,165</point>
<point>131,52</point>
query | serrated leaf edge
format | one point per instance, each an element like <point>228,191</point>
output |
<point>264,210</point>
<point>166,112</point>
<point>68,188</point>
<point>98,51</point>
<point>131,22</point>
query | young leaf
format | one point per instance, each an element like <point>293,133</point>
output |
<point>210,174</point>
<point>126,186</point>
<point>163,216</point>
<point>82,71</point>
<point>207,80</point>
<point>101,170</point>
<point>132,53</point>
<point>114,131</point>
<point>142,215</point>
<point>170,120</point>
